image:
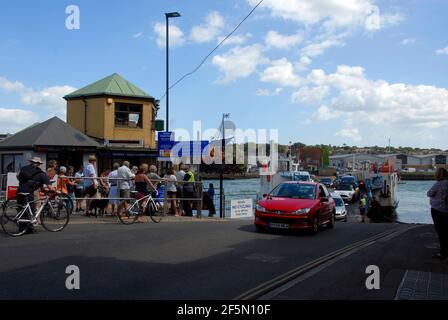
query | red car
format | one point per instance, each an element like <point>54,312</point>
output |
<point>296,206</point>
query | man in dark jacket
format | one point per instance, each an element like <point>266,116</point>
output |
<point>31,178</point>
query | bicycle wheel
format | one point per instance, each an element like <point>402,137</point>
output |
<point>156,212</point>
<point>12,213</point>
<point>131,215</point>
<point>55,216</point>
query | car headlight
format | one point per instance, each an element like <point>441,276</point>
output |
<point>260,208</point>
<point>302,211</point>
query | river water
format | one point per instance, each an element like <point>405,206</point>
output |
<point>413,206</point>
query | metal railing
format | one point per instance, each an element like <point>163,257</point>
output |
<point>199,202</point>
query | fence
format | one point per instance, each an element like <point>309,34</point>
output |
<point>200,200</point>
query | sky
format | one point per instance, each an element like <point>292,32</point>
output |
<point>356,72</point>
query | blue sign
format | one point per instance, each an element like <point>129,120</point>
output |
<point>165,143</point>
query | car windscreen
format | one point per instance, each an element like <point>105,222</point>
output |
<point>344,187</point>
<point>339,202</point>
<point>294,190</point>
<point>348,180</point>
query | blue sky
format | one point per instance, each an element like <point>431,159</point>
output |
<point>324,71</point>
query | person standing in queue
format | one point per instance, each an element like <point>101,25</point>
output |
<point>210,198</point>
<point>90,182</point>
<point>79,189</point>
<point>171,190</point>
<point>438,197</point>
<point>113,191</point>
<point>189,194</point>
<point>125,175</point>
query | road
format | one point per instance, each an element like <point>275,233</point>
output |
<point>171,260</point>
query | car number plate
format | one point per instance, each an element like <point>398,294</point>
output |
<point>279,225</point>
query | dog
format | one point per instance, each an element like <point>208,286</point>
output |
<point>100,204</point>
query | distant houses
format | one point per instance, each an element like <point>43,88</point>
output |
<point>399,161</point>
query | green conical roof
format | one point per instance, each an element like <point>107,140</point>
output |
<point>113,85</point>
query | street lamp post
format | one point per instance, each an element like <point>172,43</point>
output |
<point>221,173</point>
<point>168,16</point>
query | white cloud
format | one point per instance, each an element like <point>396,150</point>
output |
<point>317,48</point>
<point>303,63</point>
<point>235,39</point>
<point>380,106</point>
<point>307,95</point>
<point>8,85</point>
<point>13,120</point>
<point>177,38</point>
<point>268,92</point>
<point>442,51</point>
<point>239,62</point>
<point>350,134</point>
<point>49,99</point>
<point>137,35</point>
<point>408,41</point>
<point>331,13</point>
<point>281,72</point>
<point>280,41</point>
<point>209,30</point>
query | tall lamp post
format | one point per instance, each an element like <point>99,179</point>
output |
<point>168,16</point>
<point>221,174</point>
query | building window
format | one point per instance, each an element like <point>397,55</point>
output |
<point>12,163</point>
<point>128,115</point>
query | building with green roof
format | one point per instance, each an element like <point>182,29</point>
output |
<point>117,114</point>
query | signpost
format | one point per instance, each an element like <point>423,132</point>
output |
<point>241,208</point>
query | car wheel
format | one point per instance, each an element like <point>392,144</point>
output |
<point>315,228</point>
<point>259,229</point>
<point>332,221</point>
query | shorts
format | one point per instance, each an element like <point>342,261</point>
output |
<point>125,193</point>
<point>90,191</point>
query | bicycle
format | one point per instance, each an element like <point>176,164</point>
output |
<point>54,215</point>
<point>139,207</point>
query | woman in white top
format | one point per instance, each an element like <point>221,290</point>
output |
<point>171,191</point>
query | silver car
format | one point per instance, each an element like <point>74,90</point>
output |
<point>341,207</point>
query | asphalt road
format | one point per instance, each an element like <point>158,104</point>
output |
<point>171,260</point>
<point>345,279</point>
